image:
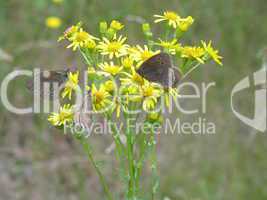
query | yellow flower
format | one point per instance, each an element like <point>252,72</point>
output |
<point>150,93</point>
<point>171,17</point>
<point>53,22</point>
<point>64,115</point>
<point>71,84</point>
<point>154,117</point>
<point>185,23</point>
<point>109,86</point>
<point>214,54</point>
<point>91,44</point>
<point>130,93</point>
<point>171,46</point>
<point>193,53</point>
<point>110,68</point>
<point>100,98</point>
<point>58,1</point>
<point>140,54</point>
<point>127,62</point>
<point>68,33</point>
<point>116,25</point>
<point>81,39</point>
<point>114,48</point>
<point>133,78</point>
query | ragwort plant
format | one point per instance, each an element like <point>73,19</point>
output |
<point>119,94</point>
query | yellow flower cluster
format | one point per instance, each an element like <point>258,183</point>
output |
<point>114,83</point>
<point>65,115</point>
<point>114,48</point>
<point>175,21</point>
<point>71,84</point>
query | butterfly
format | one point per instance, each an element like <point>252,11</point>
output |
<point>159,69</point>
<point>49,77</point>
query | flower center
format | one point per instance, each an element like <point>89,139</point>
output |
<point>148,92</point>
<point>114,47</point>
<point>65,115</point>
<point>81,36</point>
<point>112,69</point>
<point>99,96</point>
<point>171,16</point>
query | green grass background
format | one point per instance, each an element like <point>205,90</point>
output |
<point>37,162</point>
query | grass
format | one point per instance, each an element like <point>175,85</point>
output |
<point>228,165</point>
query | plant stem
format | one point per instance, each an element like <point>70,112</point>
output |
<point>119,146</point>
<point>87,59</point>
<point>87,148</point>
<point>191,70</point>
<point>130,157</point>
<point>154,167</point>
<point>142,156</point>
<point>116,137</point>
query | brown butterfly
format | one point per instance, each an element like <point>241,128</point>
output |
<point>159,69</point>
<point>52,77</point>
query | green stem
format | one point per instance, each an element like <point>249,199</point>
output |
<point>86,58</point>
<point>116,137</point>
<point>190,71</point>
<point>154,167</point>
<point>119,146</point>
<point>102,180</point>
<point>142,156</point>
<point>130,156</point>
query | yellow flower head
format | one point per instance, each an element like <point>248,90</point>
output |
<point>130,93</point>
<point>114,48</point>
<point>116,25</point>
<point>65,115</point>
<point>127,62</point>
<point>53,22</point>
<point>150,93</point>
<point>100,98</point>
<point>154,117</point>
<point>193,53</point>
<point>81,39</point>
<point>140,54</point>
<point>133,78</point>
<point>58,1</point>
<point>171,17</point>
<point>109,86</point>
<point>110,68</point>
<point>71,84</point>
<point>171,46</point>
<point>68,33</point>
<point>214,54</point>
<point>91,44</point>
<point>185,23</point>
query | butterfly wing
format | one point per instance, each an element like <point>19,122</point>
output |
<point>51,77</point>
<point>173,78</point>
<point>155,68</point>
<point>159,69</point>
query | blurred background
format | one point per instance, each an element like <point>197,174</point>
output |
<point>38,162</point>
